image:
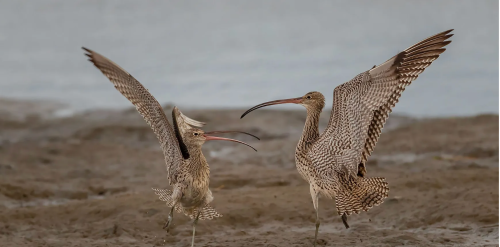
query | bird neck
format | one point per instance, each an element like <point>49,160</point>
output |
<point>310,133</point>
<point>199,171</point>
<point>196,157</point>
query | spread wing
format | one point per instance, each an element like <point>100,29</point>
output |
<point>362,105</point>
<point>147,106</point>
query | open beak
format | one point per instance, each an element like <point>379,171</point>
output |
<point>274,102</point>
<point>214,138</point>
<point>232,131</point>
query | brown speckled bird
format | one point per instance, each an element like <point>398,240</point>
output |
<point>334,163</point>
<point>187,169</point>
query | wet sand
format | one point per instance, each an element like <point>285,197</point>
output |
<point>86,181</point>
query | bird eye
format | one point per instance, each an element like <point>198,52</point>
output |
<point>309,97</point>
<point>195,133</point>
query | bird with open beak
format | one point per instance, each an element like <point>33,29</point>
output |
<point>187,169</point>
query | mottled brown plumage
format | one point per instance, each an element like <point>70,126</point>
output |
<point>187,169</point>
<point>334,163</point>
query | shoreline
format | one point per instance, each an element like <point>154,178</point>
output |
<point>19,109</point>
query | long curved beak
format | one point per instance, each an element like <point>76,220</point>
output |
<point>232,131</point>
<point>215,138</point>
<point>274,102</point>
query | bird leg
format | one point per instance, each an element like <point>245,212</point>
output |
<point>315,203</point>
<point>344,220</point>
<point>194,226</point>
<point>170,217</point>
<point>317,227</point>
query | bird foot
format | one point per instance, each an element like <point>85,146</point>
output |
<point>344,220</point>
<point>320,242</point>
<point>166,226</point>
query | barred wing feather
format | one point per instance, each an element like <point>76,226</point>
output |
<point>146,105</point>
<point>362,105</point>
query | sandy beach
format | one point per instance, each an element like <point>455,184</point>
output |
<point>86,180</point>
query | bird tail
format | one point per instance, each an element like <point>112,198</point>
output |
<point>360,194</point>
<point>166,196</point>
<point>207,212</point>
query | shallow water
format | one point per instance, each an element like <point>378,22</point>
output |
<point>238,54</point>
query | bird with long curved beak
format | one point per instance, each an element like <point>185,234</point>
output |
<point>187,169</point>
<point>334,163</point>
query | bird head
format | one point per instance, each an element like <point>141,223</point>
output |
<point>311,101</point>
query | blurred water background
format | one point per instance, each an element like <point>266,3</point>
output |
<point>226,54</point>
